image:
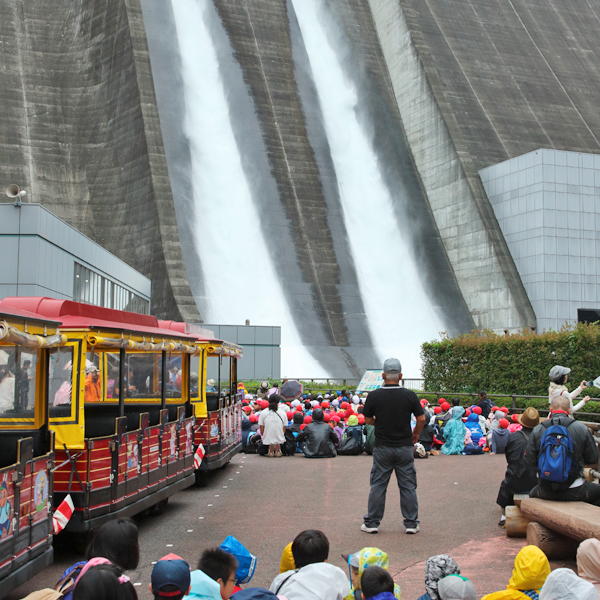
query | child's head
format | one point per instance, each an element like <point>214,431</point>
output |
<point>375,580</point>
<point>170,578</point>
<point>220,566</point>
<point>118,542</point>
<point>354,563</point>
<point>310,546</point>
<point>104,582</point>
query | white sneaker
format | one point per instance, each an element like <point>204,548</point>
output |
<point>412,529</point>
<point>366,529</point>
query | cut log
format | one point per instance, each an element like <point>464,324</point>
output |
<point>516,523</point>
<point>577,520</point>
<point>554,545</point>
<point>518,498</point>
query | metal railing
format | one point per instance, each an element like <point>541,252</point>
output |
<point>412,383</point>
<point>475,400</point>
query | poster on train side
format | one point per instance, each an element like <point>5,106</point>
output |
<point>371,380</point>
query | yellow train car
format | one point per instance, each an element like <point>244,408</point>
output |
<point>214,397</point>
<point>120,407</point>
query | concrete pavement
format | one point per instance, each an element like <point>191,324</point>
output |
<point>266,502</point>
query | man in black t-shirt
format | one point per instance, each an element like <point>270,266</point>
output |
<point>390,409</point>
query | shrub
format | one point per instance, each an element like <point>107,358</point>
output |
<point>512,364</point>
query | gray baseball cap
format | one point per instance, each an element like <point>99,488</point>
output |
<point>392,365</point>
<point>456,587</point>
<point>557,371</point>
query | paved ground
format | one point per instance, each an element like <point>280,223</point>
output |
<point>266,502</point>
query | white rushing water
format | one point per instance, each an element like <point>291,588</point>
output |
<point>400,315</point>
<point>235,257</point>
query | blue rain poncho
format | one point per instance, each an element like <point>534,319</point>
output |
<point>454,432</point>
<point>473,425</point>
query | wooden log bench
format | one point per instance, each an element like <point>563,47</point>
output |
<point>516,523</point>
<point>557,528</point>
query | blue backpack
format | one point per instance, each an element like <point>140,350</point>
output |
<point>557,462</point>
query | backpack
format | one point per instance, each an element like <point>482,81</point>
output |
<point>356,432</point>
<point>557,462</point>
<point>349,446</point>
<point>253,443</point>
<point>472,449</point>
<point>66,584</point>
<point>288,448</point>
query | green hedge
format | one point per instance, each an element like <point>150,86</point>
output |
<point>512,364</point>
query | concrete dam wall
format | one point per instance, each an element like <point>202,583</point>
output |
<point>309,163</point>
<point>79,131</point>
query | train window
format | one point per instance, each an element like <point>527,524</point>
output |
<point>141,374</point>
<point>195,373</point>
<point>17,382</point>
<point>174,374</point>
<point>212,374</point>
<point>60,383</point>
<point>225,374</point>
<point>93,380</point>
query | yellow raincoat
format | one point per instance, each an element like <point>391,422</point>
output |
<point>287,559</point>
<point>371,557</point>
<point>530,572</point>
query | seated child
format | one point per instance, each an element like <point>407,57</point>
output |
<point>436,568</point>
<point>359,563</point>
<point>378,584</point>
<point>313,577</point>
<point>529,574</point>
<point>215,577</point>
<point>500,437</point>
<point>454,433</point>
<point>170,578</point>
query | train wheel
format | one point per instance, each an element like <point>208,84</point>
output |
<point>201,478</point>
<point>159,507</point>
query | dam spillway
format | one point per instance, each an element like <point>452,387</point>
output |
<point>341,271</point>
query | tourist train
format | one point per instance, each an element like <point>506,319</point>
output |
<point>110,410</point>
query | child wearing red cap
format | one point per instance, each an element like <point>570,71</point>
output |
<point>500,437</point>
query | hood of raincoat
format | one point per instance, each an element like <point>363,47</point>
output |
<point>563,584</point>
<point>530,570</point>
<point>458,412</point>
<point>588,561</point>
<point>498,415</point>
<point>317,580</point>
<point>203,586</point>
<point>372,557</point>
<point>353,420</point>
<point>436,568</point>
<point>473,418</point>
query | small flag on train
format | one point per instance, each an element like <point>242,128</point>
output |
<point>62,514</point>
<point>198,456</point>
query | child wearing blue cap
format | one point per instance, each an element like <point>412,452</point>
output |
<point>170,578</point>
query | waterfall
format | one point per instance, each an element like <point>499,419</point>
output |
<point>240,281</point>
<point>400,314</point>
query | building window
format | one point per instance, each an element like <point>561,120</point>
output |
<point>588,315</point>
<point>92,288</point>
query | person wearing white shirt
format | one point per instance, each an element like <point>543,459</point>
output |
<point>273,423</point>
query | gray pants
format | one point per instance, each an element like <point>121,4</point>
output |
<point>385,460</point>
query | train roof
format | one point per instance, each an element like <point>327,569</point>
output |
<point>14,313</point>
<point>203,335</point>
<point>77,315</point>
